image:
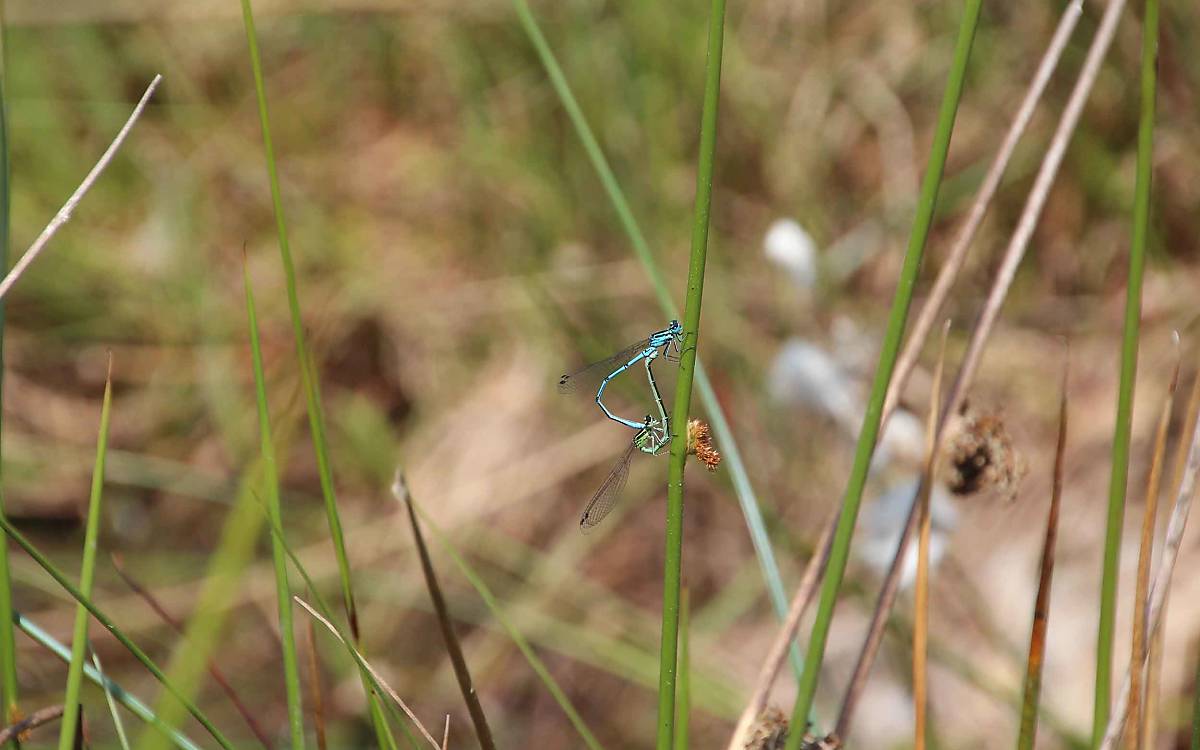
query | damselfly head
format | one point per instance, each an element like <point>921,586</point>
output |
<point>675,328</point>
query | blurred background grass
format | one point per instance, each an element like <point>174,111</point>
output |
<point>456,253</point>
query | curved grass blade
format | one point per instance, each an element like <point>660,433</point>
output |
<point>606,496</point>
<point>111,627</point>
<point>71,718</point>
<point>588,377</point>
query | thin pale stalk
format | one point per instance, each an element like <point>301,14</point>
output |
<point>36,719</point>
<point>979,207</point>
<point>733,462</point>
<point>489,600</point>
<point>283,592</point>
<point>367,665</point>
<point>683,704</point>
<point>97,677</point>
<point>769,671</point>
<point>1129,352</point>
<point>921,590</point>
<point>461,672</point>
<point>111,627</point>
<point>111,700</point>
<point>87,574</point>
<point>887,360</point>
<point>1162,578</point>
<point>1149,727</point>
<point>1134,738</point>
<point>673,563</point>
<point>64,213</point>
<point>1001,283</point>
<point>318,696</point>
<point>1027,735</point>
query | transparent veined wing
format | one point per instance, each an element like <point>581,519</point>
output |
<point>588,378</point>
<point>606,497</point>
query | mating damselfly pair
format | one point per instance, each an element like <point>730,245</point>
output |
<point>652,434</point>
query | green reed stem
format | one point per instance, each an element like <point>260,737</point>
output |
<point>683,703</point>
<point>1129,352</point>
<point>87,574</point>
<point>840,551</point>
<point>673,566</point>
<point>732,457</point>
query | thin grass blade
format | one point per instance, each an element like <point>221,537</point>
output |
<point>175,692</point>
<point>283,592</point>
<point>1129,353</point>
<point>1134,737</point>
<point>217,675</point>
<point>887,360</point>
<point>921,591</point>
<point>97,677</point>
<point>461,672</point>
<point>747,499</point>
<point>111,700</point>
<point>1027,735</point>
<point>87,574</point>
<point>489,600</point>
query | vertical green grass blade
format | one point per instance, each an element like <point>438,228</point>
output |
<point>683,702</point>
<point>883,373</point>
<point>283,593</point>
<point>87,574</point>
<point>673,565</point>
<point>308,375</point>
<point>311,394</point>
<point>716,415</point>
<point>1129,351</point>
<point>8,648</point>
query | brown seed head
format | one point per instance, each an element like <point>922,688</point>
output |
<point>700,444</point>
